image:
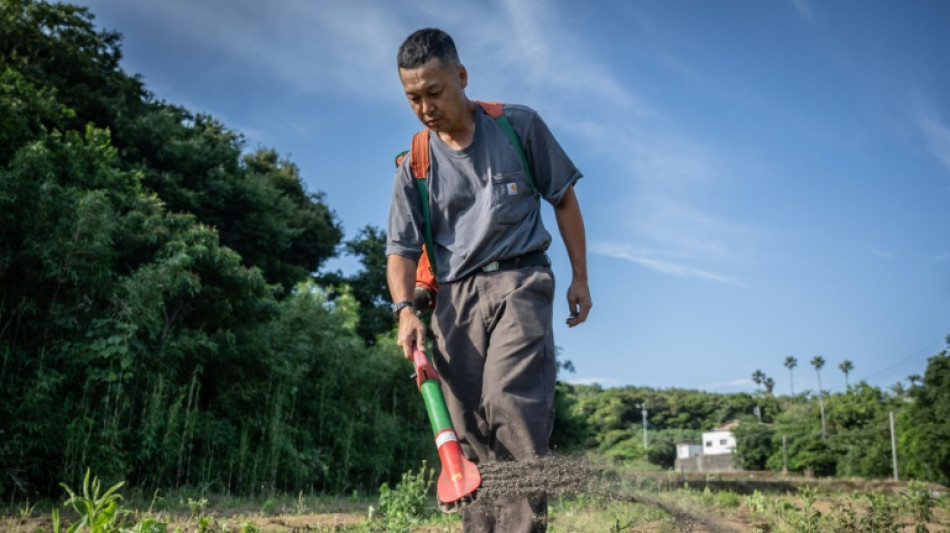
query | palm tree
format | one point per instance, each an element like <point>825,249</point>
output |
<point>758,377</point>
<point>913,379</point>
<point>818,362</point>
<point>790,363</point>
<point>769,385</point>
<point>846,367</point>
<point>898,390</point>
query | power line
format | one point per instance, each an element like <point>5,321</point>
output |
<point>906,363</point>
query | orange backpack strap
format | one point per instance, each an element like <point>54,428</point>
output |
<point>424,272</point>
<point>492,109</point>
<point>419,154</point>
<point>419,161</point>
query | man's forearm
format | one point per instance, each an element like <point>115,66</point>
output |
<point>401,277</point>
<point>571,225</point>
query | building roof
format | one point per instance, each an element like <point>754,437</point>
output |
<point>728,426</point>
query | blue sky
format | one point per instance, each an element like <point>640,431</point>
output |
<point>763,178</point>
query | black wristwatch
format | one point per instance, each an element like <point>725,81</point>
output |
<point>400,306</point>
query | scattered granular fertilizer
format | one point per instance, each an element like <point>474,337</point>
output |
<point>563,475</point>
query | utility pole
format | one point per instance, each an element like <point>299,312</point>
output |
<point>893,446</point>
<point>643,412</point>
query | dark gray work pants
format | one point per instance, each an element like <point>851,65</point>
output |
<point>494,348</point>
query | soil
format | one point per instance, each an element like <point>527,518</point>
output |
<point>567,476</point>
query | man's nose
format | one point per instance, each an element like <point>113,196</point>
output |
<point>427,106</point>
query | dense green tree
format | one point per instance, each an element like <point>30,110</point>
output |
<point>256,203</point>
<point>662,450</point>
<point>858,421</point>
<point>368,285</point>
<point>925,434</point>
<point>754,444</point>
<point>136,339</point>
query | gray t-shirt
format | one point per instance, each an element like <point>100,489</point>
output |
<point>482,206</point>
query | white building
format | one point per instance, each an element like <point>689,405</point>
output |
<point>718,442</point>
<point>685,450</point>
<point>714,454</point>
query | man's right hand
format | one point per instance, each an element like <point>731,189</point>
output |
<point>412,332</point>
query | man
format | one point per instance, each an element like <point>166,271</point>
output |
<point>492,322</point>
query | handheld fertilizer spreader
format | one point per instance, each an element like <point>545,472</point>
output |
<point>459,479</point>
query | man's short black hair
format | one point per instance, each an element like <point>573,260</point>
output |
<point>426,44</point>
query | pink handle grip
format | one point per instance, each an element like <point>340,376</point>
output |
<point>424,369</point>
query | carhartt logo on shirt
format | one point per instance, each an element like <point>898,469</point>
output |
<point>512,189</point>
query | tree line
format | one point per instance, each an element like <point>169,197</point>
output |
<point>841,434</point>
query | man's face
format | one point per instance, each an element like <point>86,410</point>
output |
<point>436,93</point>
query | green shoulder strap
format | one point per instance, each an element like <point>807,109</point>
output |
<point>509,131</point>
<point>427,225</point>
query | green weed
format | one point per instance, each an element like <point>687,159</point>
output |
<point>405,504</point>
<point>919,498</point>
<point>98,513</point>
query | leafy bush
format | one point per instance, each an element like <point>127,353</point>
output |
<point>405,504</point>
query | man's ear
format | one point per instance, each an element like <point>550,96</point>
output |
<point>463,76</point>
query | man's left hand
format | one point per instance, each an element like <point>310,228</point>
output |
<point>578,302</point>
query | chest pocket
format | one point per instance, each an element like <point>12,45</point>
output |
<point>512,197</point>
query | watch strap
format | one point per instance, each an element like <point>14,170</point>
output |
<point>398,307</point>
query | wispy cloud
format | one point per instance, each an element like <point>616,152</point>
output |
<point>650,260</point>
<point>805,12</point>
<point>311,47</point>
<point>936,134</point>
<point>881,253</point>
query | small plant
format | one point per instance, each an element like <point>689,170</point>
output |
<point>150,525</point>
<point>196,507</point>
<point>249,527</point>
<point>757,503</point>
<point>728,499</point>
<point>207,524</point>
<point>881,514</point>
<point>405,504</point>
<point>27,510</point>
<point>806,520</point>
<point>619,528</point>
<point>844,519</point>
<point>98,513</point>
<point>269,507</point>
<point>921,502</point>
